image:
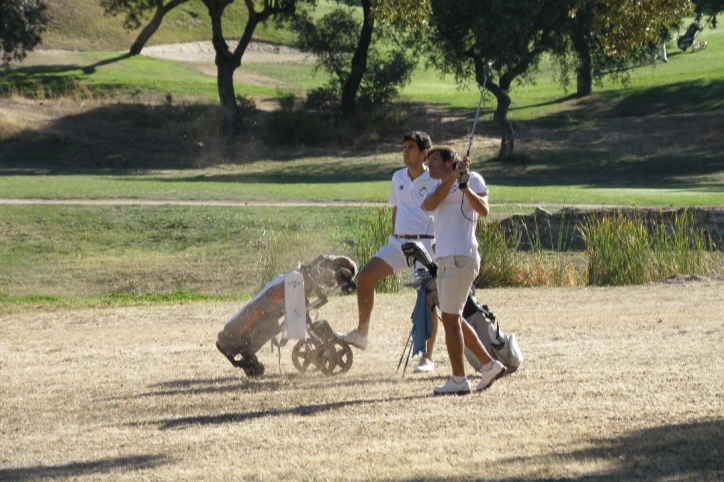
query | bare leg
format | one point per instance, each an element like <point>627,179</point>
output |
<point>454,341</point>
<point>433,336</point>
<point>473,343</point>
<point>371,273</point>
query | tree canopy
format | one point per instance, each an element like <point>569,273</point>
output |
<point>466,35</point>
<point>22,23</point>
<point>349,51</point>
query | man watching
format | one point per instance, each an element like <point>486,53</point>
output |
<point>410,221</point>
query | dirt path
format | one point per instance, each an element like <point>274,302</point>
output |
<point>214,202</point>
<point>179,202</point>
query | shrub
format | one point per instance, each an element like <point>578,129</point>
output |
<point>294,128</point>
<point>623,250</point>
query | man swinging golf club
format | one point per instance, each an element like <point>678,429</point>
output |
<point>456,205</point>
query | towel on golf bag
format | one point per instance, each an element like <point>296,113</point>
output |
<point>421,323</point>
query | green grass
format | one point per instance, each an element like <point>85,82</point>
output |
<point>81,25</point>
<point>235,188</point>
<point>91,252</point>
<point>112,75</point>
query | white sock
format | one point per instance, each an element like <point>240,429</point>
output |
<point>458,379</point>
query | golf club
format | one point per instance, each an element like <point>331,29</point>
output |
<point>477,112</point>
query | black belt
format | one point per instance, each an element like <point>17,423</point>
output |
<point>414,236</point>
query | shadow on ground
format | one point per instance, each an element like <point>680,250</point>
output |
<point>89,468</point>
<point>682,452</point>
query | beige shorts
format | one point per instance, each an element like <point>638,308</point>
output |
<point>454,276</point>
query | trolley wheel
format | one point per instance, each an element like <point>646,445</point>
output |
<point>304,356</point>
<point>703,45</point>
<point>695,47</point>
<point>335,358</point>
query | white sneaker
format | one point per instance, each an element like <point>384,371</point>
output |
<point>453,388</point>
<point>355,339</point>
<point>425,366</point>
<point>490,372</point>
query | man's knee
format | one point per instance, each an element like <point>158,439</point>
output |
<point>374,271</point>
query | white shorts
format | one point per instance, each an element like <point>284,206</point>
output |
<point>392,254</point>
<point>455,274</point>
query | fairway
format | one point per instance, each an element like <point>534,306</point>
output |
<point>617,384</point>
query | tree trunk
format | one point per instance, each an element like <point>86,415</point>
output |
<point>230,115</point>
<point>226,64</point>
<point>153,25</point>
<point>359,62</point>
<point>584,74</point>
<point>507,134</point>
<point>581,41</point>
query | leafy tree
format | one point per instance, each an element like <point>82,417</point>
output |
<point>607,36</point>
<point>134,11</point>
<point>347,50</point>
<point>712,8</point>
<point>414,13</point>
<point>466,35</point>
<point>22,23</point>
<point>227,60</point>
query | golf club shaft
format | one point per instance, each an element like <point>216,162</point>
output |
<point>477,113</point>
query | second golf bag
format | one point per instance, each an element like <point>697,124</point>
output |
<point>498,344</point>
<point>689,38</point>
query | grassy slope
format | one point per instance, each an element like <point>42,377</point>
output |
<point>81,25</point>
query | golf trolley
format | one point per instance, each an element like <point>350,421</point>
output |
<point>689,38</point>
<point>499,345</point>
<point>258,322</point>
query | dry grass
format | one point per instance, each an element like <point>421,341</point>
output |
<point>618,384</point>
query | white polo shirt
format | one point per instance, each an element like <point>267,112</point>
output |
<point>455,221</point>
<point>407,195</point>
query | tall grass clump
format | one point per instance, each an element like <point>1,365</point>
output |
<point>499,265</point>
<point>283,250</point>
<point>520,259</point>
<point>622,250</point>
<point>370,230</point>
<point>680,248</point>
<point>618,250</point>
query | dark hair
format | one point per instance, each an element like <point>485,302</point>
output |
<point>421,138</point>
<point>446,154</point>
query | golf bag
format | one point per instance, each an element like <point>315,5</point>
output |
<point>689,38</point>
<point>258,322</point>
<point>500,346</point>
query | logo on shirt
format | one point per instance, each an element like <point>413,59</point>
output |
<point>454,188</point>
<point>423,192</point>
<point>402,188</point>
